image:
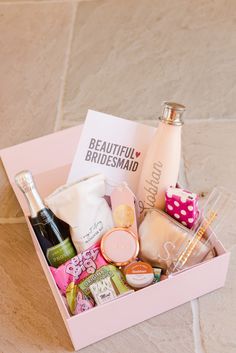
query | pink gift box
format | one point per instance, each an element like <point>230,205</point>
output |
<point>49,158</point>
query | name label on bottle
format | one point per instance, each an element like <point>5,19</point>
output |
<point>151,187</point>
<point>60,253</point>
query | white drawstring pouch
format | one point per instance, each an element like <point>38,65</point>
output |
<point>83,207</point>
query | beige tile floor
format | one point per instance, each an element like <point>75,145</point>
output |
<point>124,57</point>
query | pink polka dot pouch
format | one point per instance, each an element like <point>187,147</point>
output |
<point>182,205</point>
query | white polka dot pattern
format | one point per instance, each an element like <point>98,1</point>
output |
<point>182,205</point>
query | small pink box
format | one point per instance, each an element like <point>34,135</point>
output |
<point>49,158</point>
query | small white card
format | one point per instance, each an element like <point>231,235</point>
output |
<point>112,146</point>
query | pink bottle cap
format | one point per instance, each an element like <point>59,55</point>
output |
<point>120,246</point>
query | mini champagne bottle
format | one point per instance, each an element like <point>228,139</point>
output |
<point>52,233</point>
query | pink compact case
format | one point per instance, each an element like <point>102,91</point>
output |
<point>120,246</point>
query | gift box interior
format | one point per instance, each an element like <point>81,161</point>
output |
<point>49,158</point>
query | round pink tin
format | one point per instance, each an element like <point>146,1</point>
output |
<point>120,246</point>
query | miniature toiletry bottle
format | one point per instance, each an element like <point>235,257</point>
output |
<point>161,165</point>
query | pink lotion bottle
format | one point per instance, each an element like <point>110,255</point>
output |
<point>162,161</point>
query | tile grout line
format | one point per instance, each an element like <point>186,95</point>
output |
<point>13,220</point>
<point>190,121</point>
<point>210,120</point>
<point>58,119</point>
<point>29,2</point>
<point>197,337</point>
<point>183,176</point>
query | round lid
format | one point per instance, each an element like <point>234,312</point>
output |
<point>138,267</point>
<point>172,113</point>
<point>119,246</point>
<point>139,274</point>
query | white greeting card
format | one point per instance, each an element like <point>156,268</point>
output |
<point>112,146</point>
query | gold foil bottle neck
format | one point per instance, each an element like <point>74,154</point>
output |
<point>172,113</point>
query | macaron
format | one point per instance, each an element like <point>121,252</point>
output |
<point>123,216</point>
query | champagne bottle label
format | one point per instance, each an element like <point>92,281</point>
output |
<point>60,253</point>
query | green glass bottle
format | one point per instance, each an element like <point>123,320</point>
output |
<point>52,233</point>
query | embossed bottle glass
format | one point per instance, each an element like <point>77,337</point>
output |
<point>52,233</point>
<point>162,161</point>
